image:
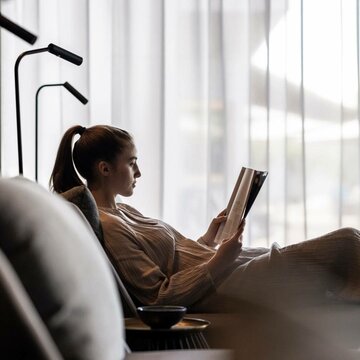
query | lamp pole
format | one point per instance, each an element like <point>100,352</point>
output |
<point>73,91</point>
<point>17,103</point>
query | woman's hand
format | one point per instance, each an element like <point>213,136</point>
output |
<point>227,253</point>
<point>209,237</point>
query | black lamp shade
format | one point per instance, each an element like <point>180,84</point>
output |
<point>17,30</point>
<point>65,54</point>
<point>73,91</point>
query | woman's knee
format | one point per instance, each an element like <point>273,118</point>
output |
<point>350,231</point>
<point>349,234</point>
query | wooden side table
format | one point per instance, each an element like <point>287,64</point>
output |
<point>187,334</point>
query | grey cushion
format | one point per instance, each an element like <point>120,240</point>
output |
<point>56,256</point>
<point>84,200</point>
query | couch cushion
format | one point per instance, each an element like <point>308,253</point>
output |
<point>57,258</point>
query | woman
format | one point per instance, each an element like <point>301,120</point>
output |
<point>161,266</point>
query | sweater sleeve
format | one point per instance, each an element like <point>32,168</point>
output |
<point>144,278</point>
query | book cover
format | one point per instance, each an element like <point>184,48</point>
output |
<point>246,189</point>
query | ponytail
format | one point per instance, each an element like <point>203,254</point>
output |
<point>64,175</point>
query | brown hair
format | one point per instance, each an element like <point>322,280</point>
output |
<point>96,143</point>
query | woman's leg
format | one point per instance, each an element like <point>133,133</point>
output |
<point>296,275</point>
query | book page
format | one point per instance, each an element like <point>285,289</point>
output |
<point>237,205</point>
<point>235,190</point>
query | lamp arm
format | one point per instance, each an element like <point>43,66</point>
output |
<point>46,85</point>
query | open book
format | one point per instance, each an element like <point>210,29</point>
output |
<point>243,196</point>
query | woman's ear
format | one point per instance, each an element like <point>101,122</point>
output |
<point>103,168</point>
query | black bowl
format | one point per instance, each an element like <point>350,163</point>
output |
<point>161,316</point>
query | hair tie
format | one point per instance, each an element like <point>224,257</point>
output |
<point>81,130</point>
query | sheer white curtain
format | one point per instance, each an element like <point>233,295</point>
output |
<point>205,86</point>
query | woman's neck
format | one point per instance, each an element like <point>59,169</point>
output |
<point>103,198</point>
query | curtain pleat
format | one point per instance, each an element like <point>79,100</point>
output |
<point>341,175</point>
<point>267,163</point>
<point>302,105</point>
<point>358,89</point>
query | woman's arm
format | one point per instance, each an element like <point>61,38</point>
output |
<point>151,286</point>
<point>150,281</point>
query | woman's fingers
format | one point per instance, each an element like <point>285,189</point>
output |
<point>222,213</point>
<point>235,243</point>
<point>238,234</point>
<point>219,219</point>
<point>242,224</point>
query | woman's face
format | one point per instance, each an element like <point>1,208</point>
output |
<point>125,171</point>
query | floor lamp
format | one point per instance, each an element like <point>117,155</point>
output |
<point>52,49</point>
<point>68,87</point>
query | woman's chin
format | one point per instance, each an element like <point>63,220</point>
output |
<point>127,193</point>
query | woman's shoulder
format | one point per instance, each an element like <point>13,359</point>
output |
<point>128,208</point>
<point>107,216</point>
<point>113,224</point>
<point>119,206</point>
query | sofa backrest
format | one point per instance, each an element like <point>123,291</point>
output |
<point>62,268</point>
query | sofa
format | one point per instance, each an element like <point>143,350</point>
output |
<point>60,297</point>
